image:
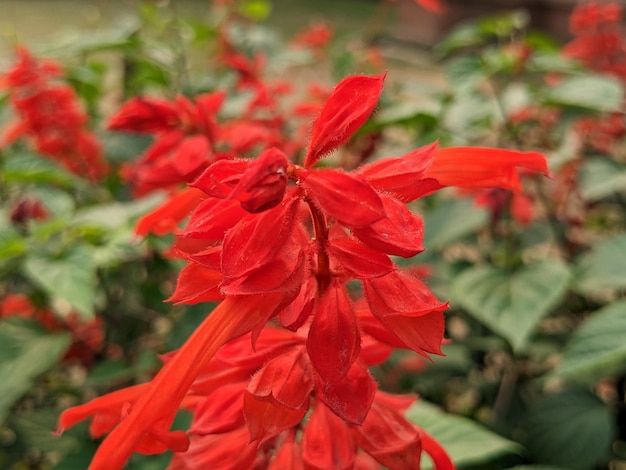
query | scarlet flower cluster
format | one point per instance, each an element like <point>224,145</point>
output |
<point>275,240</point>
<point>600,44</point>
<point>49,114</point>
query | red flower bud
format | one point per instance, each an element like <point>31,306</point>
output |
<point>262,185</point>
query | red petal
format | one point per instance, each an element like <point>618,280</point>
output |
<point>255,241</point>
<point>476,167</point>
<point>288,457</point>
<point>347,109</point>
<point>327,443</point>
<point>221,411</point>
<point>399,293</point>
<point>437,453</point>
<point>165,218</point>
<point>431,5</point>
<point>197,283</point>
<point>297,312</point>
<point>266,417</point>
<point>423,334</point>
<point>192,156</point>
<point>358,259</point>
<point>286,378</point>
<point>400,233</point>
<point>212,218</point>
<point>227,451</point>
<point>262,186</point>
<point>390,438</point>
<point>209,257</point>
<point>333,342</point>
<point>144,115</point>
<point>400,176</point>
<point>347,198</point>
<point>219,179</point>
<point>284,273</point>
<point>106,410</point>
<point>352,396</point>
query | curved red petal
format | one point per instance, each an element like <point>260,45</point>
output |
<point>347,198</point>
<point>399,233</point>
<point>334,341</point>
<point>351,103</point>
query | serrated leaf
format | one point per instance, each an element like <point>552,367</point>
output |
<point>600,178</point>
<point>512,303</point>
<point>70,277</point>
<point>26,351</point>
<point>467,442</point>
<point>572,430</point>
<point>603,268</point>
<point>592,92</point>
<point>597,348</point>
<point>451,221</point>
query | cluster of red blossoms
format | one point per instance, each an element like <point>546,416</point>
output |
<point>50,116</point>
<point>600,44</point>
<point>280,242</point>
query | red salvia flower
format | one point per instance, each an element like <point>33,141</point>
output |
<point>51,117</point>
<point>276,239</point>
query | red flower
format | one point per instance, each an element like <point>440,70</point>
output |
<point>185,133</point>
<point>51,116</point>
<point>276,239</point>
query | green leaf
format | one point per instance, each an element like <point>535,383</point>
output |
<point>25,167</point>
<point>256,10</point>
<point>592,92</point>
<point>512,303</point>
<point>603,269</point>
<point>597,348</point>
<point>600,178</point>
<point>572,430</point>
<point>12,244</point>
<point>450,221</point>
<point>26,351</point>
<point>70,277</point>
<point>116,214</point>
<point>467,442</point>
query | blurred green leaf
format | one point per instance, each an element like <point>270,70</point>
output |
<point>69,276</point>
<point>26,351</point>
<point>25,167</point>
<point>467,442</point>
<point>512,303</point>
<point>572,429</point>
<point>603,269</point>
<point>598,347</point>
<point>12,244</point>
<point>256,10</point>
<point>450,221</point>
<point>592,92</point>
<point>600,178</point>
<point>117,214</point>
<point>465,70</point>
